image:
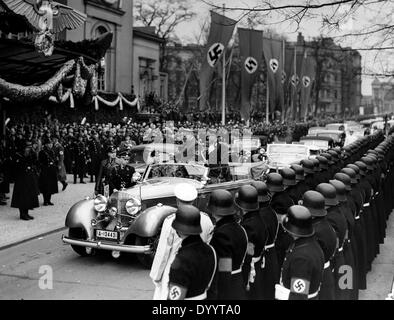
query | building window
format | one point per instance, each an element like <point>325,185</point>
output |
<point>101,79</point>
<point>147,76</point>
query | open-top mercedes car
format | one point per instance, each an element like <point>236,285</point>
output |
<point>284,155</point>
<point>130,220</point>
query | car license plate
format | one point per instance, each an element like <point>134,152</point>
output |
<point>107,235</point>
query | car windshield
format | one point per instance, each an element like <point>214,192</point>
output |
<point>137,156</point>
<point>321,144</point>
<point>286,153</point>
<point>334,136</point>
<point>188,171</point>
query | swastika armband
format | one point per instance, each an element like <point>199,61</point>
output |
<point>299,286</point>
<point>225,265</point>
<point>176,292</point>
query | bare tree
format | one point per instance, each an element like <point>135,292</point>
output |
<point>165,16</point>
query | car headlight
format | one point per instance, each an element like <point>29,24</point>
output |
<point>133,206</point>
<point>100,203</point>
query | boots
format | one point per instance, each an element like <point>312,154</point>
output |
<point>24,215</point>
<point>65,184</point>
<point>47,200</point>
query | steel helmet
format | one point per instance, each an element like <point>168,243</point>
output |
<point>308,165</point>
<point>299,171</point>
<point>341,190</point>
<point>345,179</point>
<point>323,163</point>
<point>289,177</point>
<point>247,198</point>
<point>369,162</point>
<point>187,220</point>
<point>315,203</point>
<point>298,222</point>
<point>351,173</point>
<point>275,182</point>
<point>262,191</point>
<point>328,157</point>
<point>221,203</point>
<point>356,170</point>
<point>334,155</point>
<point>329,192</point>
<point>316,163</point>
<point>362,168</point>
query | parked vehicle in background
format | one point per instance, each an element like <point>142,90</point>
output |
<point>317,144</point>
<point>284,155</point>
<point>337,126</point>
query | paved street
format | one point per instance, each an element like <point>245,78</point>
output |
<point>74,277</point>
<point>102,277</point>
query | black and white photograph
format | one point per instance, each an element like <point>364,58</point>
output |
<point>223,151</point>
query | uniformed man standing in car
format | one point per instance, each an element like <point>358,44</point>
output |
<point>122,174</point>
<point>303,266</point>
<point>102,182</point>
<point>194,267</point>
<point>230,243</point>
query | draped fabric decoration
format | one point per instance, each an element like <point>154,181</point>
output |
<point>118,101</point>
<point>18,93</point>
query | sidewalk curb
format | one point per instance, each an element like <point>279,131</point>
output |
<point>11,245</point>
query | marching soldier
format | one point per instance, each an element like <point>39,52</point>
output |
<point>61,168</point>
<point>337,220</point>
<point>102,183</point>
<point>26,191</point>
<point>95,156</point>
<point>303,266</point>
<point>309,171</point>
<point>270,268</point>
<point>247,200</point>
<point>194,267</point>
<point>230,243</point>
<point>326,237</point>
<point>323,175</point>
<point>301,186</point>
<point>48,172</point>
<point>79,160</point>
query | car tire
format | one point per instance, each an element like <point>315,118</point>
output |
<point>147,259</point>
<point>77,233</point>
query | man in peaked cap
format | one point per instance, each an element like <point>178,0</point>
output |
<point>170,242</point>
<point>326,237</point>
<point>303,265</point>
<point>103,177</point>
<point>247,201</point>
<point>230,242</point>
<point>194,266</point>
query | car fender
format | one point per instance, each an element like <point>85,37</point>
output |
<point>150,221</point>
<point>80,216</point>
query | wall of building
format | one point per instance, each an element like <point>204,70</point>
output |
<point>146,58</point>
<point>119,21</point>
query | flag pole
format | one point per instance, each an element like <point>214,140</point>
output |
<point>224,81</point>
<point>283,69</point>
<point>267,107</point>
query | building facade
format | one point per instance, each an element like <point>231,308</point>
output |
<point>114,16</point>
<point>383,95</point>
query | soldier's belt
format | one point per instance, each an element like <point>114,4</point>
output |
<point>201,296</point>
<point>269,246</point>
<point>236,271</point>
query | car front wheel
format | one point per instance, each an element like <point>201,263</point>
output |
<point>77,233</point>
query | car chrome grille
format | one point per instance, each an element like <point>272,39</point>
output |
<point>118,200</point>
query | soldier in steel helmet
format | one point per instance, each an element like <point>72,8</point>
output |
<point>326,237</point>
<point>338,221</point>
<point>194,266</point>
<point>169,241</point>
<point>230,243</point>
<point>270,267</point>
<point>303,265</point>
<point>247,201</point>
